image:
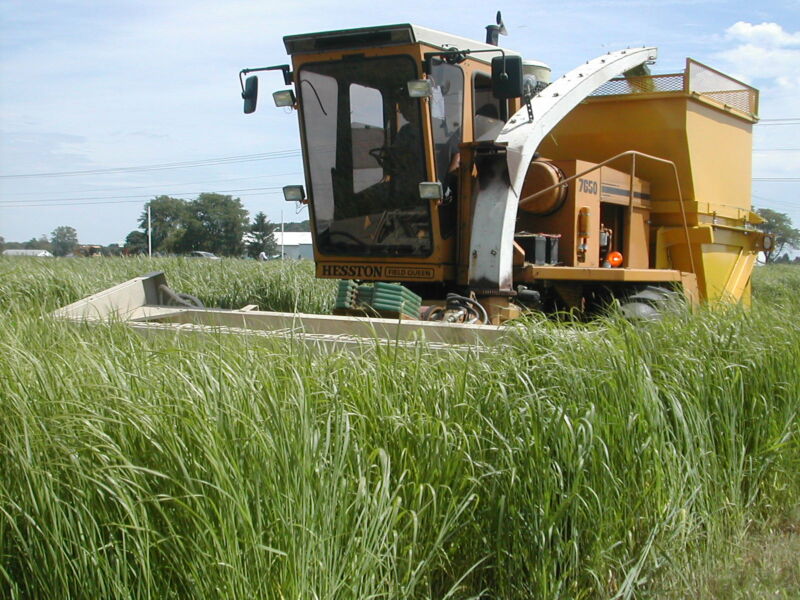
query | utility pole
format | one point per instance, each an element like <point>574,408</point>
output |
<point>149,235</point>
<point>282,235</point>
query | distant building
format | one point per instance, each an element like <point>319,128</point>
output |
<point>296,244</point>
<point>40,253</point>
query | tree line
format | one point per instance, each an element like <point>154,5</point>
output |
<point>63,241</point>
<point>220,224</point>
<point>212,222</point>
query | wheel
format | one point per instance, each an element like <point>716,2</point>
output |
<point>648,304</point>
<point>640,311</point>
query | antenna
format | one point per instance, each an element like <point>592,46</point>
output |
<point>493,32</point>
<point>503,30</point>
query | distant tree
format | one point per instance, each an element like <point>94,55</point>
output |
<point>136,242</point>
<point>301,226</point>
<point>212,222</point>
<point>780,225</point>
<point>2,243</point>
<point>63,239</point>
<point>40,243</point>
<point>262,237</point>
<point>112,250</point>
<point>168,217</point>
<point>217,223</point>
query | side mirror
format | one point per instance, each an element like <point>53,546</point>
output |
<point>507,77</point>
<point>250,94</point>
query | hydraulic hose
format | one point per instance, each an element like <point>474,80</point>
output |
<point>179,299</point>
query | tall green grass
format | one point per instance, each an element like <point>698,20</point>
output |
<point>35,284</point>
<point>580,462</point>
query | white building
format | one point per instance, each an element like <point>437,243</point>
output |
<point>40,253</point>
<point>296,244</point>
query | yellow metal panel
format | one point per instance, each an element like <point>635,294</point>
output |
<point>719,261</point>
<point>690,290</point>
<point>720,150</point>
<point>534,272</point>
<point>739,281</point>
<point>710,146</point>
<point>638,239</point>
<point>697,235</point>
<point>600,128</point>
<point>585,192</point>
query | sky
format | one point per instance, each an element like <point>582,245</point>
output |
<point>105,105</point>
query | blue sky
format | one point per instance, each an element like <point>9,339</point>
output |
<point>93,86</point>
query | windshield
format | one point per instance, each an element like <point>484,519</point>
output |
<point>363,139</point>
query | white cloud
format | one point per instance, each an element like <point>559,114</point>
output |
<point>764,51</point>
<point>768,56</point>
<point>769,35</point>
<point>757,62</point>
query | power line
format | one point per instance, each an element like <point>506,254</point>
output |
<point>118,199</point>
<point>779,122</point>
<point>792,202</point>
<point>108,201</point>
<point>785,203</point>
<point>152,186</point>
<point>163,166</point>
<point>777,179</point>
<point>140,197</point>
<point>783,200</point>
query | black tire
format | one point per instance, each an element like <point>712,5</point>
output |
<point>649,303</point>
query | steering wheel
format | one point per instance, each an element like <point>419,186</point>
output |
<point>380,154</point>
<point>348,236</point>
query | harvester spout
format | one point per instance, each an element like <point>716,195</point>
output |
<point>491,251</point>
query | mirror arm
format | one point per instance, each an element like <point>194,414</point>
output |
<point>457,56</point>
<point>287,73</point>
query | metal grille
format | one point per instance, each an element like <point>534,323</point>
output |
<point>721,88</point>
<point>697,78</point>
<point>641,85</point>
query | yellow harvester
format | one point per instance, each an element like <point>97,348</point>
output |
<point>451,180</point>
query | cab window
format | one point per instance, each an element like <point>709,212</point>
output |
<point>489,113</point>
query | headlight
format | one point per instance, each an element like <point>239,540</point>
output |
<point>430,190</point>
<point>283,98</point>
<point>294,193</point>
<point>420,88</point>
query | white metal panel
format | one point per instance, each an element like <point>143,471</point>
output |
<point>443,40</point>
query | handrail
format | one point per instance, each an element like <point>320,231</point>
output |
<point>633,154</point>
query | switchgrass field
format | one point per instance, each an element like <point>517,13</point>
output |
<point>584,461</point>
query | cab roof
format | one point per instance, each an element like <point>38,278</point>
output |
<point>387,35</point>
